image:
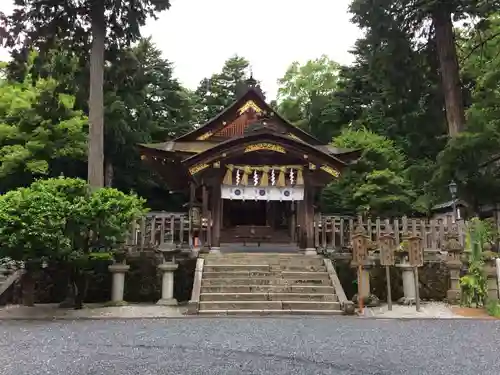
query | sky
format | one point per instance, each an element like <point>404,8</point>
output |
<point>199,35</point>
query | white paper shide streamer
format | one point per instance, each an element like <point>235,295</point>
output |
<point>238,177</point>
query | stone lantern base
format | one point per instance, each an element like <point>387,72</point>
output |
<point>167,284</point>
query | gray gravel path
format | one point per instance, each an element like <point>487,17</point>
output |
<point>285,346</point>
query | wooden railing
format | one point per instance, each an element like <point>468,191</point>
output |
<point>330,231</point>
<point>157,228</point>
<point>335,231</point>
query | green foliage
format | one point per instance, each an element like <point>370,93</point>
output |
<point>66,25</point>
<point>479,237</point>
<point>39,131</point>
<point>493,308</point>
<point>216,93</point>
<point>305,91</point>
<point>63,219</point>
<point>377,184</point>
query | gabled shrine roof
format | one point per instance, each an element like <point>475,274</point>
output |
<point>229,114</point>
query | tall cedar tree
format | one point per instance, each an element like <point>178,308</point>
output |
<point>89,28</point>
<point>433,20</point>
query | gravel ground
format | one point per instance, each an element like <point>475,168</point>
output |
<point>216,346</point>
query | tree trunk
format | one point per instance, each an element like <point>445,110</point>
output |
<point>28,288</point>
<point>450,74</point>
<point>96,97</point>
<point>108,173</point>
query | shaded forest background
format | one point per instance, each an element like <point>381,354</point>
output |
<point>422,99</point>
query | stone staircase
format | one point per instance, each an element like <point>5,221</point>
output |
<point>7,279</point>
<point>267,283</point>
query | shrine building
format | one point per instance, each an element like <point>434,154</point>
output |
<point>254,175</point>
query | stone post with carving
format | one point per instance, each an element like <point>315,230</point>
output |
<point>454,263</point>
<point>490,272</point>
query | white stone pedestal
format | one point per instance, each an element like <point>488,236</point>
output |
<point>215,250</point>
<point>167,284</point>
<point>408,276</point>
<point>118,283</point>
<point>310,251</point>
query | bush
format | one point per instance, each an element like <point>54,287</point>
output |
<point>63,219</point>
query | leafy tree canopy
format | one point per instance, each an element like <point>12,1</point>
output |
<point>40,132</point>
<point>219,91</point>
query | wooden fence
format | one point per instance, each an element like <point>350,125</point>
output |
<point>330,231</point>
<point>335,231</point>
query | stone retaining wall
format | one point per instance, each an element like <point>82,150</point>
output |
<point>434,279</point>
<point>142,282</point>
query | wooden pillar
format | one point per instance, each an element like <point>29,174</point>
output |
<point>309,218</point>
<point>205,234</point>
<point>192,192</point>
<point>292,221</point>
<point>216,217</point>
<point>301,224</point>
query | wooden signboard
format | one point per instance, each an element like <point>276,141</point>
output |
<point>359,248</point>
<point>387,247</point>
<point>415,251</point>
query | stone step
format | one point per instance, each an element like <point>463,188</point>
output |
<point>284,256</point>
<point>261,274</point>
<point>268,297</point>
<point>321,289</point>
<point>268,305</point>
<point>266,262</point>
<point>263,281</point>
<point>262,267</point>
<point>268,312</point>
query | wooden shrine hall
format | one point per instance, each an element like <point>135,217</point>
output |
<point>253,175</point>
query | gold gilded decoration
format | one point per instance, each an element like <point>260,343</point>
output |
<point>330,170</point>
<point>265,146</point>
<point>204,136</point>
<point>312,166</point>
<point>249,104</point>
<point>216,164</point>
<point>293,136</point>
<point>143,157</point>
<point>197,168</point>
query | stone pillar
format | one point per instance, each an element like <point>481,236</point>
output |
<point>118,282</point>
<point>490,272</point>
<point>408,276</point>
<point>167,284</point>
<point>364,282</point>
<point>454,264</point>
